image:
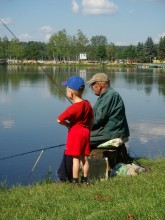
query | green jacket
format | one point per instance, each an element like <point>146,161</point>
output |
<point>109,117</point>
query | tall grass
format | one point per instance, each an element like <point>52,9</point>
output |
<point>140,197</point>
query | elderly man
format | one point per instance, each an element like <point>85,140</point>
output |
<point>110,127</point>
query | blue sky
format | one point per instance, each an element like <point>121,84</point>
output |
<point>123,22</point>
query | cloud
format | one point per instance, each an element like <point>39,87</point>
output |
<point>75,6</point>
<point>26,37</point>
<point>95,7</point>
<point>161,35</point>
<point>47,37</point>
<point>46,29</point>
<point>6,21</point>
<point>157,39</point>
<point>120,43</point>
<point>45,33</point>
<point>99,7</point>
<point>155,0</point>
<point>150,1</point>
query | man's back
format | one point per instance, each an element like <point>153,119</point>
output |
<point>109,117</point>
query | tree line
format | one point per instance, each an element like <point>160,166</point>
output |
<point>64,47</point>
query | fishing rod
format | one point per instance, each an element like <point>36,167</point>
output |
<point>33,151</point>
<point>36,163</point>
<point>59,89</point>
<point>48,75</point>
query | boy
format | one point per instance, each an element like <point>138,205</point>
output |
<point>78,118</point>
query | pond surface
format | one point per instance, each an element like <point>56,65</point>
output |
<point>30,104</point>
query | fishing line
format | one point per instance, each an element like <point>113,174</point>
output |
<point>33,151</point>
<point>60,90</point>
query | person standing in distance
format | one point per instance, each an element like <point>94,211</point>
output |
<point>110,127</point>
<point>78,118</point>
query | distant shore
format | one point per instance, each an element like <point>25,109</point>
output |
<point>54,62</point>
<point>155,64</point>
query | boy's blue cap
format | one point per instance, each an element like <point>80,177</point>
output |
<point>75,83</point>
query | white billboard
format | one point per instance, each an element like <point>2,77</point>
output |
<point>83,56</point>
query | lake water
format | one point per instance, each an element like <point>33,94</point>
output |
<point>30,104</point>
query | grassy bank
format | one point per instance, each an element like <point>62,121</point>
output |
<point>139,197</point>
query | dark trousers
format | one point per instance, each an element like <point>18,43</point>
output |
<point>122,155</point>
<point>65,169</point>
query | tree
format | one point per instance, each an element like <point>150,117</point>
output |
<point>121,52</point>
<point>61,47</point>
<point>15,49</point>
<point>81,42</point>
<point>111,52</point>
<point>58,45</point>
<point>1,49</point>
<point>72,52</point>
<point>98,40</point>
<point>101,53</point>
<point>149,49</point>
<point>130,52</point>
<point>140,53</point>
<point>97,45</point>
<point>34,50</point>
<point>5,47</point>
<point>161,49</point>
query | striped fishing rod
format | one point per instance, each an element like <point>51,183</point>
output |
<point>30,152</point>
<point>48,75</point>
<point>33,151</point>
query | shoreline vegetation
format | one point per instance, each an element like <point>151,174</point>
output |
<point>118,198</point>
<point>86,63</point>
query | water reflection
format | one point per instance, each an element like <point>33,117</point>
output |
<point>30,104</point>
<point>8,123</point>
<point>15,75</point>
<point>4,98</point>
<point>147,131</point>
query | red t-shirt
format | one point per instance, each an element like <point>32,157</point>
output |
<point>79,115</point>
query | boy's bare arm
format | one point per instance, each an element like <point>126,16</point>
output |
<point>65,123</point>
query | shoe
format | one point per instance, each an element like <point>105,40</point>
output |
<point>75,183</point>
<point>85,183</point>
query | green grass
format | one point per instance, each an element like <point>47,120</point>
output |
<point>123,197</point>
